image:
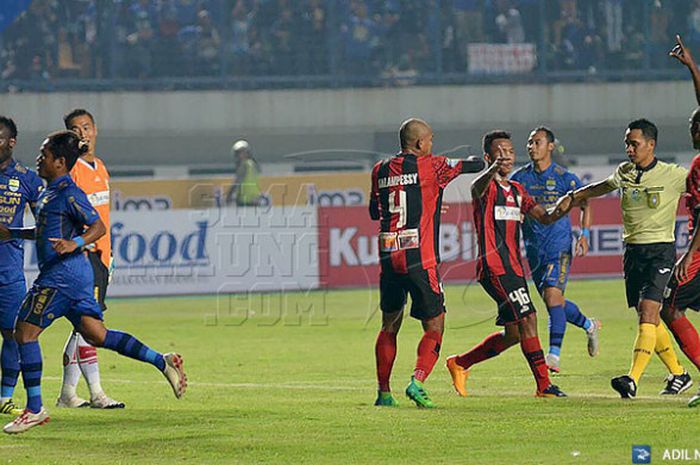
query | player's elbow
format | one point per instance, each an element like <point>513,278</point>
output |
<point>98,229</point>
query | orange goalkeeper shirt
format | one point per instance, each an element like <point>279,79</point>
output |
<point>94,181</point>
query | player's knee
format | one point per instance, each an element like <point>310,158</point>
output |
<point>95,339</point>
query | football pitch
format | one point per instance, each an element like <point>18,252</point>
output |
<point>289,379</point>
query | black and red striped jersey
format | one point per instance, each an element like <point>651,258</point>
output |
<point>497,217</point>
<point>406,198</point>
<point>692,187</point>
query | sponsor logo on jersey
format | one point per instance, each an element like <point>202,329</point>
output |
<point>507,213</point>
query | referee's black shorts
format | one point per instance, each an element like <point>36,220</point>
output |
<point>648,267</point>
<point>101,274</point>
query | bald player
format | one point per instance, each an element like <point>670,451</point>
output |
<point>406,198</point>
<point>92,177</point>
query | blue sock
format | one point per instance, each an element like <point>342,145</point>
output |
<point>129,346</point>
<point>575,317</point>
<point>9,361</point>
<point>30,363</point>
<point>557,328</point>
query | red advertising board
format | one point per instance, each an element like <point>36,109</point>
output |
<point>348,248</point>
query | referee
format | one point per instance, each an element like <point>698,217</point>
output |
<point>650,190</point>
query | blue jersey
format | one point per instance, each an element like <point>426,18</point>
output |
<point>19,187</point>
<point>545,242</point>
<point>62,212</point>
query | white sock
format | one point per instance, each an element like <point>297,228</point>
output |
<point>87,361</point>
<point>71,371</point>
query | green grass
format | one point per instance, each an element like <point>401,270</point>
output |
<point>293,382</point>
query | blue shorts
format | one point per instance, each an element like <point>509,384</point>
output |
<point>43,305</point>
<point>552,273</point>
<point>11,296</point>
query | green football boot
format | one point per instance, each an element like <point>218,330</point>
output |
<point>417,393</point>
<point>385,399</point>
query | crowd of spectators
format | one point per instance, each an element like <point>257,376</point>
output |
<point>144,39</point>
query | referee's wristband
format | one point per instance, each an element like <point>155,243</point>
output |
<point>585,232</point>
<point>79,241</point>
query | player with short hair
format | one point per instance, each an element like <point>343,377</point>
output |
<point>64,286</point>
<point>91,176</point>
<point>650,191</point>
<point>406,198</point>
<point>499,205</point>
<point>549,247</point>
<point>19,188</point>
<point>683,290</point>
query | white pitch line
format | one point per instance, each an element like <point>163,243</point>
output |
<point>368,387</point>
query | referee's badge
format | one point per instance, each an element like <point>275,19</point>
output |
<point>551,184</point>
<point>653,199</point>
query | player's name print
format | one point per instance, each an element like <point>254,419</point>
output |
<point>399,180</point>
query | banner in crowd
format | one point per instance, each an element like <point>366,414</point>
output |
<point>323,190</point>
<point>210,251</point>
<point>320,189</point>
<point>501,58</point>
<point>348,248</point>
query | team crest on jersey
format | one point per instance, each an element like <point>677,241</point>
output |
<point>13,185</point>
<point>551,184</point>
<point>635,194</point>
<point>573,184</point>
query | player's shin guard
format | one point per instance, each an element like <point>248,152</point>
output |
<point>664,350</point>
<point>428,353</point>
<point>557,328</point>
<point>385,354</point>
<point>575,317</point>
<point>643,348</point>
<point>535,358</point>
<point>71,370</point>
<point>687,337</point>
<point>491,346</point>
<point>87,361</point>
<point>9,359</point>
<point>31,366</point>
<point>127,345</point>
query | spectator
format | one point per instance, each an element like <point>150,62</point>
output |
<point>208,43</point>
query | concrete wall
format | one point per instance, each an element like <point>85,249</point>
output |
<point>198,127</point>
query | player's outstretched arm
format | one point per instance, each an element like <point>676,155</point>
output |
<point>16,233</point>
<point>681,53</point>
<point>482,181</point>
<point>92,233</point>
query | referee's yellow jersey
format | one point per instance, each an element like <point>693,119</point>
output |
<point>649,200</point>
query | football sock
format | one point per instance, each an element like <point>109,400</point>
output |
<point>491,346</point>
<point>665,351</point>
<point>127,345</point>
<point>385,354</point>
<point>557,328</point>
<point>30,364</point>
<point>71,370</point>
<point>575,317</point>
<point>9,360</point>
<point>687,337</point>
<point>535,358</point>
<point>643,347</point>
<point>428,353</point>
<point>87,361</point>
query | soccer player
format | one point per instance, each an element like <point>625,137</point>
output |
<point>650,190</point>
<point>549,247</point>
<point>19,187</point>
<point>91,176</point>
<point>406,198</point>
<point>64,286</point>
<point>499,205</point>
<point>683,290</point>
